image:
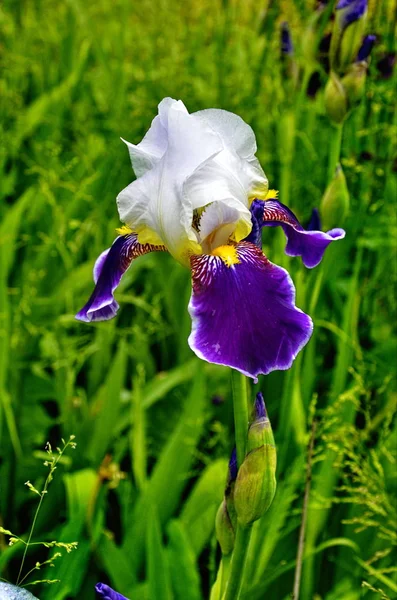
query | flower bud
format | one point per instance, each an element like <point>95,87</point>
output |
<point>256,479</point>
<point>335,202</point>
<point>225,532</point>
<point>335,99</point>
<point>366,48</point>
<point>349,28</point>
<point>226,519</point>
<point>354,83</point>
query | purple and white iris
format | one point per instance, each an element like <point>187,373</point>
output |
<point>202,195</point>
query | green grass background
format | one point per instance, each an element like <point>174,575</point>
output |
<point>141,490</point>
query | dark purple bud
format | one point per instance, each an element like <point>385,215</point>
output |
<point>351,10</point>
<point>104,592</point>
<point>260,408</point>
<point>233,468</point>
<point>366,48</point>
<point>315,221</point>
<point>287,47</point>
<point>386,64</point>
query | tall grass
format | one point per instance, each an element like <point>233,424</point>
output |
<point>141,493</point>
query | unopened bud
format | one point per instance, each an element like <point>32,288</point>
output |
<point>354,83</point>
<point>335,99</point>
<point>226,518</point>
<point>256,479</point>
<point>225,532</point>
<point>335,202</point>
<point>349,28</point>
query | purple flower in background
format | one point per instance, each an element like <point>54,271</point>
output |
<point>287,47</point>
<point>350,11</point>
<point>366,48</point>
<point>201,195</point>
<point>104,592</point>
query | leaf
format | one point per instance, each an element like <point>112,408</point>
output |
<point>158,575</point>
<point>170,474</point>
<point>198,513</point>
<point>182,560</point>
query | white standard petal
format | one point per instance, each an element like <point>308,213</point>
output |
<point>239,141</point>
<point>155,205</point>
<point>145,155</point>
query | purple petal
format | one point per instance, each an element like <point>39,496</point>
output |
<point>351,10</point>
<point>310,245</point>
<point>109,268</point>
<point>315,221</point>
<point>105,592</point>
<point>260,408</point>
<point>366,48</point>
<point>233,468</point>
<point>244,315</point>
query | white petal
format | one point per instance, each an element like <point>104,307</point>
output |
<point>236,134</point>
<point>156,200</point>
<point>145,155</point>
<point>212,183</point>
<point>239,143</point>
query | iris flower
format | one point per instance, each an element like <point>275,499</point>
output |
<point>201,195</point>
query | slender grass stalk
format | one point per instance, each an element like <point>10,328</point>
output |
<point>301,543</point>
<point>52,463</point>
<point>334,150</point>
<point>243,536</point>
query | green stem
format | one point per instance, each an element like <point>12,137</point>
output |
<point>225,570</point>
<point>334,150</point>
<point>240,407</point>
<point>243,536</point>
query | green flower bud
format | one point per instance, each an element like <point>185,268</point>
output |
<point>349,28</point>
<point>350,43</point>
<point>225,532</point>
<point>335,203</point>
<point>354,83</point>
<point>226,518</point>
<point>256,479</point>
<point>335,99</point>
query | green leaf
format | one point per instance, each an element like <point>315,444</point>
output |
<point>182,560</point>
<point>158,575</point>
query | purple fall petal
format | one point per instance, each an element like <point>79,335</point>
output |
<point>310,245</point>
<point>244,315</point>
<point>109,268</point>
<point>104,592</point>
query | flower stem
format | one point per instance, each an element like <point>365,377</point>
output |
<point>334,149</point>
<point>240,407</point>
<point>243,536</point>
<point>225,566</point>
